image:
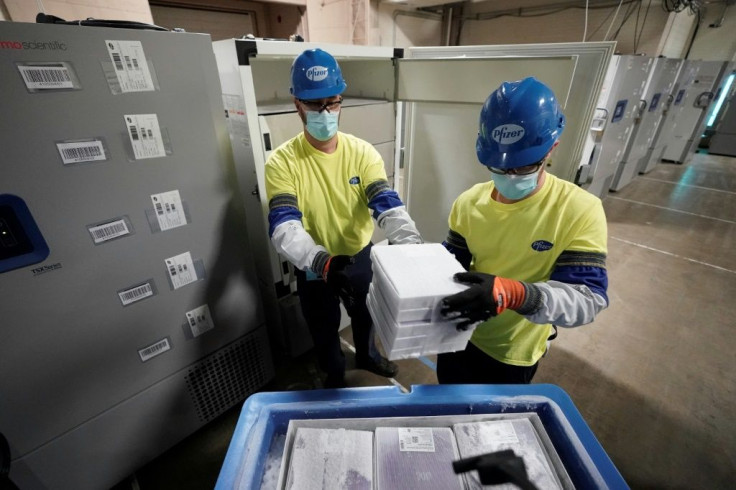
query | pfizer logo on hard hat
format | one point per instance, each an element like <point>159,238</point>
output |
<point>317,73</point>
<point>507,134</point>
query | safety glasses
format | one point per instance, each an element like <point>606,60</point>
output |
<point>319,106</point>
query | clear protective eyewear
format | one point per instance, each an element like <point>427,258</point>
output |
<point>318,106</point>
<point>525,170</point>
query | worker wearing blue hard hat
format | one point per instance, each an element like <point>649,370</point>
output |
<point>534,245</point>
<point>325,188</point>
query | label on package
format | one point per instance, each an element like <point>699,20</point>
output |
<point>169,210</point>
<point>145,135</point>
<point>130,65</point>
<point>417,439</point>
<point>497,433</point>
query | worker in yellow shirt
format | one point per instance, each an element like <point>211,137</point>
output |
<point>325,188</point>
<point>534,245</point>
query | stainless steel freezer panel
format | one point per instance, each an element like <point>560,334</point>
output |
<point>623,104</point>
<point>103,319</point>
<point>255,84</point>
<point>442,125</point>
<point>659,85</point>
<point>687,121</point>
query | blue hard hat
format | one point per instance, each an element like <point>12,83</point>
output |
<point>315,74</point>
<point>519,124</point>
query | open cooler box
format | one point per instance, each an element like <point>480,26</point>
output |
<point>262,436</point>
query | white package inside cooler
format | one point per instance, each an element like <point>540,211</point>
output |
<point>478,438</point>
<point>416,458</point>
<point>331,459</point>
<point>414,278</point>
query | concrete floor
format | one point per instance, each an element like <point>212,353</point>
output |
<point>650,376</point>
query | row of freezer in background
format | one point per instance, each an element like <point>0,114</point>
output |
<point>649,109</point>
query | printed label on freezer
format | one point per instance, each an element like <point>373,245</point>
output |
<point>200,320</point>
<point>181,270</point>
<point>130,65</point>
<point>108,231</point>
<point>497,433</point>
<point>236,119</point>
<point>145,135</point>
<point>81,151</point>
<point>169,210</point>
<point>46,77</point>
<point>153,350</point>
<point>137,293</point>
<point>416,439</point>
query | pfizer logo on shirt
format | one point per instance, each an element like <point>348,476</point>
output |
<point>542,245</point>
<point>507,134</point>
<point>317,73</point>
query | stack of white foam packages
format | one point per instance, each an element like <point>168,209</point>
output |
<point>331,459</point>
<point>476,438</point>
<point>416,458</point>
<point>409,283</point>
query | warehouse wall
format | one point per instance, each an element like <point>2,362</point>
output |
<point>26,10</point>
<point>715,39</point>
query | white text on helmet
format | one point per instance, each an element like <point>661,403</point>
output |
<point>507,134</point>
<point>317,73</point>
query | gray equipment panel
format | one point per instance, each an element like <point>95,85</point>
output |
<point>101,335</point>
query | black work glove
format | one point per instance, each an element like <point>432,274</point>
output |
<point>337,279</point>
<point>487,296</point>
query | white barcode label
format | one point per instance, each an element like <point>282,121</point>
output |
<point>46,77</point>
<point>137,293</point>
<point>169,210</point>
<point>420,439</point>
<point>81,151</point>
<point>200,320</point>
<point>108,231</point>
<point>496,433</point>
<point>130,65</point>
<point>153,350</point>
<point>145,135</point>
<point>181,270</point>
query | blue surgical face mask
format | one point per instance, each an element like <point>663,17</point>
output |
<point>515,187</point>
<point>322,125</point>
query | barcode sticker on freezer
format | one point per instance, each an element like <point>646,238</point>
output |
<point>418,439</point>
<point>130,65</point>
<point>498,432</point>
<point>145,135</point>
<point>153,350</point>
<point>169,210</point>
<point>46,77</point>
<point>108,231</point>
<point>200,320</point>
<point>137,293</point>
<point>81,151</point>
<point>181,270</point>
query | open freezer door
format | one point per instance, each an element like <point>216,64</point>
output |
<point>442,90</point>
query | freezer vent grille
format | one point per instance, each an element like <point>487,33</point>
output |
<point>230,375</point>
